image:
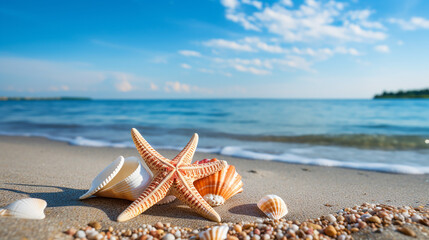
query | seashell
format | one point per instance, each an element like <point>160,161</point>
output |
<point>215,233</point>
<point>29,208</point>
<point>124,178</point>
<point>219,187</point>
<point>167,199</point>
<point>273,206</point>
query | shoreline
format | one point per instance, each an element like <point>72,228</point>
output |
<point>248,154</point>
<point>59,173</point>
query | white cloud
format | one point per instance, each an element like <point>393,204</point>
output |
<point>185,66</point>
<point>177,87</point>
<point>231,4</point>
<point>288,3</point>
<point>122,81</point>
<point>252,70</point>
<point>382,48</point>
<point>153,86</point>
<point>311,21</point>
<point>412,24</point>
<point>256,4</point>
<point>190,53</point>
<point>241,19</point>
<point>124,86</point>
<point>222,43</point>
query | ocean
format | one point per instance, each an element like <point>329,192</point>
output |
<point>378,135</point>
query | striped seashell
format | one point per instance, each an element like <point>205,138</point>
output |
<point>219,187</point>
<point>28,208</point>
<point>215,233</point>
<point>124,178</point>
<point>273,206</point>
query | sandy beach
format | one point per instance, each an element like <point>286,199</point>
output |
<point>59,173</point>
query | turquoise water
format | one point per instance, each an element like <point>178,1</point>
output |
<point>381,135</point>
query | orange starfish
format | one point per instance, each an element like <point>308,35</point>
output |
<point>172,176</point>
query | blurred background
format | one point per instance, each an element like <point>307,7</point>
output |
<point>286,80</point>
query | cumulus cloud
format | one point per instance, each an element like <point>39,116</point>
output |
<point>222,43</point>
<point>177,87</point>
<point>190,53</point>
<point>185,66</point>
<point>230,4</point>
<point>412,24</point>
<point>382,48</point>
<point>252,70</point>
<point>311,21</point>
<point>153,86</point>
<point>256,4</point>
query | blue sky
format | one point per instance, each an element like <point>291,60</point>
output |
<point>213,49</point>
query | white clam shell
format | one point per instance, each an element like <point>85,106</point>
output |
<point>273,206</point>
<point>124,178</point>
<point>29,208</point>
<point>215,233</point>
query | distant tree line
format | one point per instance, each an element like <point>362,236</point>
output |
<point>424,93</point>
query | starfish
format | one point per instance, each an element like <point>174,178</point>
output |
<point>174,177</point>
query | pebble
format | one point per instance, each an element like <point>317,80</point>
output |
<point>238,228</point>
<point>374,219</point>
<point>331,218</point>
<point>95,225</point>
<point>256,237</point>
<point>339,227</point>
<point>159,225</point>
<point>168,236</point>
<point>330,231</point>
<point>416,218</point>
<point>406,231</point>
<point>71,231</point>
<point>80,234</point>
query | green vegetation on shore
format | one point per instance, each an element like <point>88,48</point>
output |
<point>424,93</point>
<point>44,98</point>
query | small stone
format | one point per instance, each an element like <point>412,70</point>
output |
<point>257,231</point>
<point>178,234</point>
<point>266,236</point>
<point>341,237</point>
<point>71,231</point>
<point>256,237</point>
<point>168,236</point>
<point>331,218</point>
<point>237,228</point>
<point>406,231</point>
<point>374,219</point>
<point>330,231</point>
<point>232,238</point>
<point>355,229</point>
<point>159,225</point>
<point>95,225</point>
<point>110,229</point>
<point>362,225</point>
<point>80,234</point>
<point>416,218</point>
<point>314,226</point>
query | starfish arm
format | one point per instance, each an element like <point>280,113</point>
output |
<point>185,156</point>
<point>153,159</point>
<point>185,191</point>
<point>198,171</point>
<point>157,190</point>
